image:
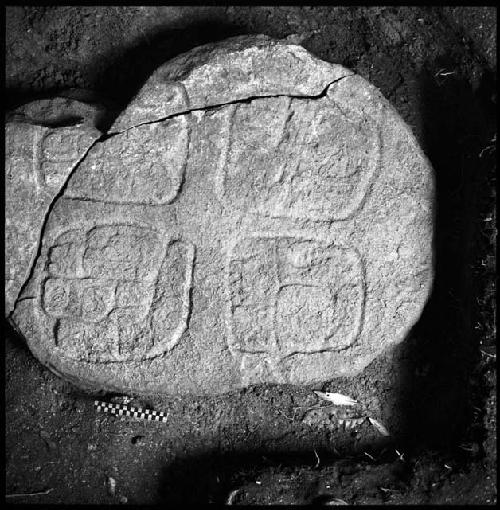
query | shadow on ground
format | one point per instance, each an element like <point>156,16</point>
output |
<point>125,75</point>
<point>211,477</point>
<point>436,397</point>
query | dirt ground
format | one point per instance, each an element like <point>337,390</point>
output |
<point>436,392</point>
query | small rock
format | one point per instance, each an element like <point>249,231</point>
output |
<point>111,486</point>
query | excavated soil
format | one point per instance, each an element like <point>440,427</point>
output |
<point>436,392</point>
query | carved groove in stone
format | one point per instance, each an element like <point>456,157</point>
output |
<point>58,150</point>
<point>220,175</point>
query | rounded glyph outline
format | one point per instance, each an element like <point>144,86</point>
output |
<point>273,356</point>
<point>159,348</point>
<point>185,119</point>
<point>374,123</point>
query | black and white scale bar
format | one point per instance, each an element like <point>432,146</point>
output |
<point>133,412</point>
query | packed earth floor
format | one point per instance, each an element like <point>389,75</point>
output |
<point>435,393</point>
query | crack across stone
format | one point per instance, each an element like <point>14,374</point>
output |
<point>106,136</point>
<point>245,100</point>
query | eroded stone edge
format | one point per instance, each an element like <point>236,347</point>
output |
<point>190,68</point>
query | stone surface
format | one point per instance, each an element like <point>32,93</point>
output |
<point>256,216</point>
<point>44,140</point>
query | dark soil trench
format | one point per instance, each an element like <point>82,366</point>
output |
<point>436,392</point>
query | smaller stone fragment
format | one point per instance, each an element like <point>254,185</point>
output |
<point>44,140</point>
<point>71,107</point>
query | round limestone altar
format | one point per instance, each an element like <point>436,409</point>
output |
<point>255,215</point>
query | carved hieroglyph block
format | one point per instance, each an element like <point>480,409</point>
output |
<point>142,166</point>
<point>289,295</point>
<point>293,295</point>
<point>255,215</point>
<point>301,159</point>
<point>116,292</point>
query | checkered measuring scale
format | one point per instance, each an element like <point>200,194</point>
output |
<point>126,410</point>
